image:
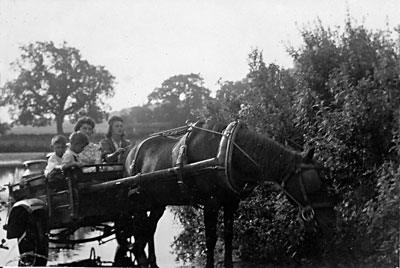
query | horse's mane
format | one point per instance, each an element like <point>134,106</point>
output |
<point>275,160</point>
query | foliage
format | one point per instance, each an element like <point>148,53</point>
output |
<point>264,222</point>
<point>228,101</point>
<point>4,127</point>
<point>354,132</point>
<point>342,98</point>
<point>381,217</point>
<point>54,83</point>
<point>369,231</point>
<point>268,100</point>
<point>139,114</point>
<point>180,98</point>
<point>192,236</point>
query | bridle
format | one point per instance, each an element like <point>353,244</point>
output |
<point>307,210</point>
<point>226,146</point>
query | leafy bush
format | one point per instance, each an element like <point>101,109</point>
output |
<point>192,237</point>
<point>342,98</point>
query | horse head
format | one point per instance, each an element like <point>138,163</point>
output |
<point>305,186</point>
<point>257,157</point>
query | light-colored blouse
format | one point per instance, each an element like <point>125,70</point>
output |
<point>91,154</point>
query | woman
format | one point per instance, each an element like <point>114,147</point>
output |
<point>114,145</point>
<point>91,154</point>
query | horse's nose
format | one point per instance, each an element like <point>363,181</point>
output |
<point>310,226</point>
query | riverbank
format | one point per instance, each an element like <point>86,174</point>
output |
<point>16,159</point>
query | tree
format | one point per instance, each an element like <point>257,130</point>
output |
<point>316,58</point>
<point>54,83</point>
<point>228,101</point>
<point>179,98</point>
<point>139,114</point>
<point>269,96</point>
<point>4,127</point>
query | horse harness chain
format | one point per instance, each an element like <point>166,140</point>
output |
<point>306,211</point>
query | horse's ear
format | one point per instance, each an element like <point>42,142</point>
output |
<point>308,156</point>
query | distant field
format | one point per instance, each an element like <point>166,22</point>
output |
<point>31,142</point>
<point>38,141</point>
<point>68,128</point>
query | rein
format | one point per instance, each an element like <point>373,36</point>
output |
<point>307,211</point>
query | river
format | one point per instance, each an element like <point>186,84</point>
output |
<point>167,229</point>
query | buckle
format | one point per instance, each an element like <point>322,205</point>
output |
<point>307,213</point>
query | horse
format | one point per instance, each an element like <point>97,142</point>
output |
<point>243,159</point>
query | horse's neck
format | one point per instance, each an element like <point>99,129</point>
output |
<point>273,160</point>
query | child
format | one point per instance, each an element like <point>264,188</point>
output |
<point>58,143</point>
<point>78,142</point>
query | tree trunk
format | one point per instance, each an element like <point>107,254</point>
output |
<point>59,122</point>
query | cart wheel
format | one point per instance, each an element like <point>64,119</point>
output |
<point>33,245</point>
<point>124,230</point>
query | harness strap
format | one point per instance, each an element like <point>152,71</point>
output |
<point>180,161</point>
<point>224,133</point>
<point>303,189</point>
<point>231,133</point>
<point>172,132</point>
<point>225,156</point>
<point>245,154</point>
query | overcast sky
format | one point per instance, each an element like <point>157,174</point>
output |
<point>144,42</point>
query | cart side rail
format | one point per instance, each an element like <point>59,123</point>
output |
<point>131,181</point>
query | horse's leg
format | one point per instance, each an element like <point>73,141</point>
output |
<point>229,213</point>
<point>211,209</point>
<point>141,223</point>
<point>154,217</point>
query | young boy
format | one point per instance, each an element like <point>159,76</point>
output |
<point>58,143</point>
<point>78,141</point>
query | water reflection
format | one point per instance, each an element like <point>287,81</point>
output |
<point>7,257</point>
<point>164,237</point>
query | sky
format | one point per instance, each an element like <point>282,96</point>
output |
<point>144,42</point>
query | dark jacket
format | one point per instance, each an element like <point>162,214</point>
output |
<point>108,147</point>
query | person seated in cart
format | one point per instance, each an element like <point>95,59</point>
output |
<point>91,154</point>
<point>114,145</point>
<point>59,144</point>
<point>78,141</point>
